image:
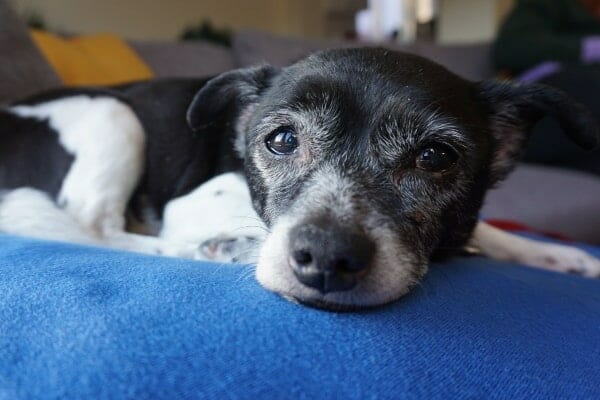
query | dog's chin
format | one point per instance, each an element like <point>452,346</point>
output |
<point>346,301</point>
<point>331,306</point>
<point>392,276</point>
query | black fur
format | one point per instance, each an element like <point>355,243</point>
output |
<point>219,102</point>
<point>177,160</point>
<point>515,109</point>
<point>30,154</point>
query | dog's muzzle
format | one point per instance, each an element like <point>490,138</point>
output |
<point>328,258</point>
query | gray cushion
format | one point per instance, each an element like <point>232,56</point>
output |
<point>471,61</point>
<point>251,47</point>
<point>549,199</point>
<point>185,59</point>
<point>23,69</point>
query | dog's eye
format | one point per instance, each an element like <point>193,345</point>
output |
<point>436,158</point>
<point>282,141</point>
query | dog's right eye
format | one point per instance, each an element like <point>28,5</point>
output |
<point>282,141</point>
<point>436,158</point>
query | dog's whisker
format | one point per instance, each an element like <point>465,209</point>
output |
<point>246,273</point>
<point>248,217</point>
<point>248,253</point>
<point>251,226</point>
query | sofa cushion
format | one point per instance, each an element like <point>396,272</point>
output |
<point>23,70</point>
<point>185,59</point>
<point>471,61</point>
<point>91,60</point>
<point>252,47</point>
<point>549,199</point>
<point>81,323</point>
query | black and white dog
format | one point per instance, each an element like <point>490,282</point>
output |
<point>352,168</point>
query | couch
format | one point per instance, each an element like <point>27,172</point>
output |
<point>79,322</point>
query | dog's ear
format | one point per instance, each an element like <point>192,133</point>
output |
<point>228,94</point>
<point>514,110</point>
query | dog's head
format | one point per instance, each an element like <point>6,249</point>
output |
<point>365,163</point>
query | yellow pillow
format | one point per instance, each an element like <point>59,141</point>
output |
<point>101,59</point>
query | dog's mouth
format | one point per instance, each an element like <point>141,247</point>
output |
<point>330,306</point>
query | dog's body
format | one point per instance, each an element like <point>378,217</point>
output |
<point>111,158</point>
<point>363,163</point>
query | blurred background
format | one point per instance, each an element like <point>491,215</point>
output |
<point>453,21</point>
<point>50,43</point>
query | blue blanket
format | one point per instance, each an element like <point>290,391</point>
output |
<point>82,323</point>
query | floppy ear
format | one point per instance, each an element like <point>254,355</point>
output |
<point>226,95</point>
<point>515,109</point>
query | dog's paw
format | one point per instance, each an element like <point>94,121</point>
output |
<point>560,258</point>
<point>239,249</point>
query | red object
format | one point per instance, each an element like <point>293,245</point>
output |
<point>512,226</point>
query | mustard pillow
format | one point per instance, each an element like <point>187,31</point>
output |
<point>101,59</point>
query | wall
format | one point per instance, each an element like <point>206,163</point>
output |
<point>165,19</point>
<point>461,20</point>
<point>464,21</point>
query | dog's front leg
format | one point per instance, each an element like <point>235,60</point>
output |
<point>504,246</point>
<point>219,217</point>
<point>152,245</point>
<point>31,212</point>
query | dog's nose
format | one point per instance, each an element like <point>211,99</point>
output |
<point>329,258</point>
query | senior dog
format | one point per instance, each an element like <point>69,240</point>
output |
<point>350,170</point>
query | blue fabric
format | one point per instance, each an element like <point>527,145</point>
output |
<point>83,323</point>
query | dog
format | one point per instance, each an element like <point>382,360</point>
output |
<point>347,171</point>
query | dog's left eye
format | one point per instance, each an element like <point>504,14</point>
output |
<point>282,141</point>
<point>436,158</point>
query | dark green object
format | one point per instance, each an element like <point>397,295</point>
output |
<point>36,21</point>
<point>543,30</point>
<point>206,31</point>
